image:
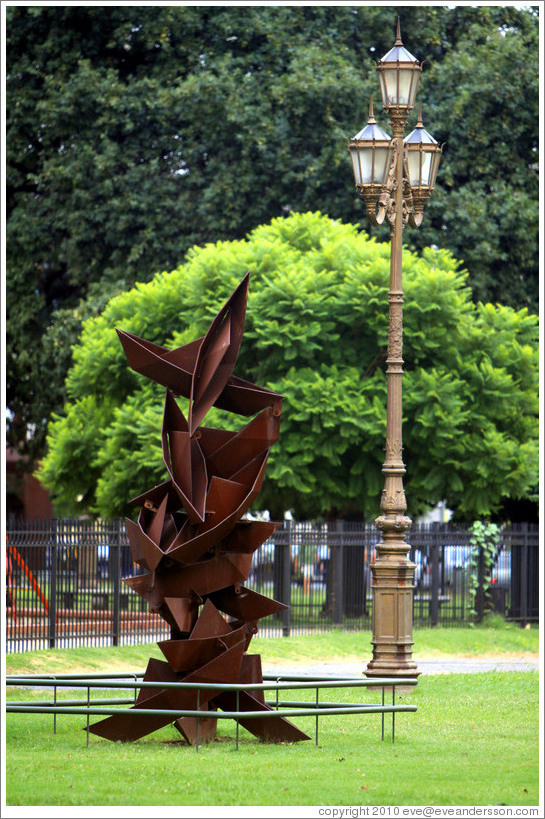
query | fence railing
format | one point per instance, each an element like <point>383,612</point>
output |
<point>64,581</point>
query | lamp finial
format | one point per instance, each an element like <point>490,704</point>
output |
<point>371,120</point>
<point>398,41</point>
<point>419,123</point>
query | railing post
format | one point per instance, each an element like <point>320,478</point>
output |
<point>282,575</point>
<point>53,585</point>
<point>479,597</point>
<point>434,603</point>
<point>286,573</point>
<point>524,578</point>
<point>337,558</point>
<point>115,546</point>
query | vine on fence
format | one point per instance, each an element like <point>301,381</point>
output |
<point>484,541</point>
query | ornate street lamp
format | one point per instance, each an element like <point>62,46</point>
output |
<point>423,154</point>
<point>395,181</point>
<point>371,152</point>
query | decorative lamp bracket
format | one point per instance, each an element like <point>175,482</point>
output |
<point>381,206</point>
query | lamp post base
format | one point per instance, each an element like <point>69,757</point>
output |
<point>395,667</point>
<point>393,589</point>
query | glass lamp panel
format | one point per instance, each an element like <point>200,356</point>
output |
<point>413,161</point>
<point>413,76</point>
<point>419,167</point>
<point>389,89</point>
<point>434,168</point>
<point>362,163</point>
<point>425,168</point>
<point>382,86</point>
<point>399,86</point>
<point>405,87</point>
<point>381,164</point>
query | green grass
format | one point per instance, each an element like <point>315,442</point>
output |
<point>473,741</point>
<point>494,637</point>
<point>65,660</point>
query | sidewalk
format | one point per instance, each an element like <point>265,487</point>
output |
<point>448,665</point>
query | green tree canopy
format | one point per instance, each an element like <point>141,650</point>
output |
<point>135,132</point>
<point>485,206</point>
<point>316,331</point>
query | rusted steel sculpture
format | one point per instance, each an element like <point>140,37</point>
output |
<point>190,537</point>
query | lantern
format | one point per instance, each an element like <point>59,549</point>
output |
<point>398,75</point>
<point>423,154</point>
<point>371,153</point>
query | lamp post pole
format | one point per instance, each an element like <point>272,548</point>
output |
<point>393,573</point>
<point>394,177</point>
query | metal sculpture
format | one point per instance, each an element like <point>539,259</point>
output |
<point>191,540</point>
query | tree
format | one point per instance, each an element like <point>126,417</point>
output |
<point>485,208</point>
<point>316,331</point>
<point>135,133</point>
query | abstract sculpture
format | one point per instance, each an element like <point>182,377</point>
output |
<point>191,540</point>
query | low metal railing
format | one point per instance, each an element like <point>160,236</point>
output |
<point>275,683</point>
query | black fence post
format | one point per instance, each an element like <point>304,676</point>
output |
<point>53,585</point>
<point>286,574</point>
<point>434,602</point>
<point>282,574</point>
<point>524,576</point>
<point>337,558</point>
<point>115,547</point>
<point>479,595</point>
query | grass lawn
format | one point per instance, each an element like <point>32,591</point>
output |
<point>473,741</point>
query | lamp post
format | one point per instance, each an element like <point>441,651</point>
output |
<point>394,177</point>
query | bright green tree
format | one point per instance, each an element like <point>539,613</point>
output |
<point>316,331</point>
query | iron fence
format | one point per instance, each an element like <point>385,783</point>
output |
<point>64,587</point>
<point>64,581</point>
